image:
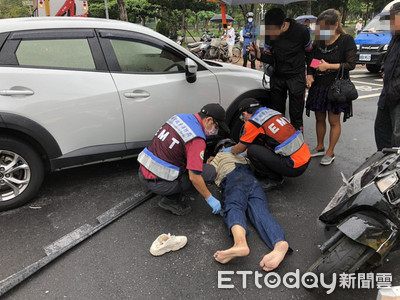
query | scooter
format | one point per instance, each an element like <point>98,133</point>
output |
<point>201,48</point>
<point>365,217</point>
<point>207,36</point>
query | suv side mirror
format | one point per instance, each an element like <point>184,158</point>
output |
<point>191,70</point>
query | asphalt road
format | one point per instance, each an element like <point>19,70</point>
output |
<point>116,263</point>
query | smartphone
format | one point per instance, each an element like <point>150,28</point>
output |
<point>315,63</point>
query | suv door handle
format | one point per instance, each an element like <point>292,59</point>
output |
<point>16,92</point>
<point>137,94</point>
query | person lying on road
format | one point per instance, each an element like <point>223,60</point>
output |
<point>242,193</point>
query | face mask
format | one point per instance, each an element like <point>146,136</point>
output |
<point>229,27</point>
<point>250,20</point>
<point>325,35</point>
<point>213,131</point>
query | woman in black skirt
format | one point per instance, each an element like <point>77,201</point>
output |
<point>332,48</point>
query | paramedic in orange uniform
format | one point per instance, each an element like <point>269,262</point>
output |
<point>273,145</point>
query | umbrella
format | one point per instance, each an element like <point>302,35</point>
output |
<point>302,19</point>
<point>239,2</point>
<point>218,18</point>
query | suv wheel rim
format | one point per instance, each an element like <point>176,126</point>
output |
<point>15,175</point>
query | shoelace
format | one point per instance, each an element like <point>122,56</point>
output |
<point>169,237</point>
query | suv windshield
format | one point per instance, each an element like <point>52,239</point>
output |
<point>379,23</point>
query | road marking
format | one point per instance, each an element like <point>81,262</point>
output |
<point>362,75</point>
<point>368,96</point>
<point>359,70</point>
<point>367,88</point>
<point>367,83</point>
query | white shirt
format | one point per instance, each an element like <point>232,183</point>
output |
<point>358,26</point>
<point>230,36</point>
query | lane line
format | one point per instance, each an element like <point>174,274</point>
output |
<point>368,96</point>
<point>361,76</point>
<point>367,83</point>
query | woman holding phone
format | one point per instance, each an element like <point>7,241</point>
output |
<point>332,48</point>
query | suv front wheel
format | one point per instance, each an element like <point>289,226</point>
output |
<point>374,68</point>
<point>21,173</point>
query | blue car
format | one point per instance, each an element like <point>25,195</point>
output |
<point>372,42</point>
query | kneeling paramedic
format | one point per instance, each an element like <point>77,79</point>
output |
<point>273,145</point>
<point>173,162</point>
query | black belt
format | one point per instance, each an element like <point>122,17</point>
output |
<point>155,179</point>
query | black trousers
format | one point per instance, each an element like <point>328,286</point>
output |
<point>245,58</point>
<point>271,165</point>
<point>387,127</point>
<point>296,86</point>
<point>174,189</point>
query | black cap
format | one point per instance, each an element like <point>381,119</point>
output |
<point>217,112</point>
<point>225,142</point>
<point>248,103</point>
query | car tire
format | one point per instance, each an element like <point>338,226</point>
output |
<point>21,173</point>
<point>374,68</point>
<point>236,127</point>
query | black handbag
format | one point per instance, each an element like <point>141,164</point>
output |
<point>342,90</point>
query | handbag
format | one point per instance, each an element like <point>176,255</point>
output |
<point>342,90</point>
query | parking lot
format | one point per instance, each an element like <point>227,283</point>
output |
<point>116,262</point>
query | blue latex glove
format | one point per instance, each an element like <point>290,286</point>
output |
<point>243,154</point>
<point>214,203</point>
<point>229,149</point>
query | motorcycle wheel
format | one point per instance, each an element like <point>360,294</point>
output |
<point>340,258</point>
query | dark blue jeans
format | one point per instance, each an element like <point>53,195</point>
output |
<point>241,193</point>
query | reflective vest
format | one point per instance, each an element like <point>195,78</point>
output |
<point>288,141</point>
<point>165,157</point>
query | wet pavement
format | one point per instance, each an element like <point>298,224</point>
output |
<point>116,263</point>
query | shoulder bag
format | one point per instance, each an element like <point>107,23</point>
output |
<point>342,90</point>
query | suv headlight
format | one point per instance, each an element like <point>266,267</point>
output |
<point>385,47</point>
<point>358,47</point>
<point>387,182</point>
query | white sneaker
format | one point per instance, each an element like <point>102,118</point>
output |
<point>166,243</point>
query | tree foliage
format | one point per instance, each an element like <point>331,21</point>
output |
<point>13,9</point>
<point>176,13</point>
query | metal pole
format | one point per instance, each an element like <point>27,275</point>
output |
<point>72,239</point>
<point>106,6</point>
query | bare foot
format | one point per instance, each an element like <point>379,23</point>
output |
<point>225,256</point>
<point>272,260</point>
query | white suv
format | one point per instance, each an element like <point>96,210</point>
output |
<point>75,91</point>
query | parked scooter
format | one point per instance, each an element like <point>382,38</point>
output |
<point>207,36</point>
<point>364,215</point>
<point>201,48</point>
